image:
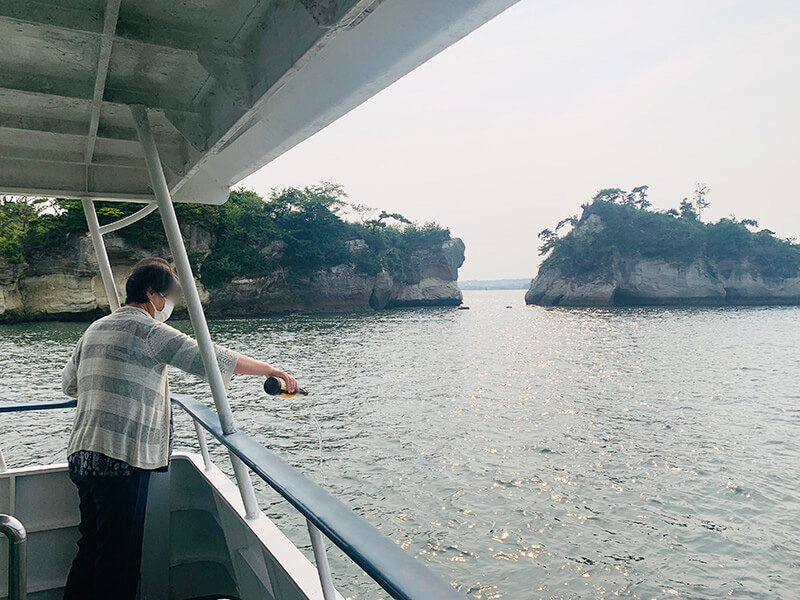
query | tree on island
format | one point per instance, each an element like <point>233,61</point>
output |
<point>620,223</point>
<point>571,220</point>
<point>638,197</point>
<point>366,214</point>
<point>686,210</point>
<point>294,232</point>
<point>609,195</point>
<point>549,238</point>
<point>701,190</point>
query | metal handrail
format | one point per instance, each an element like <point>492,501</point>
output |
<point>384,561</point>
<point>17,560</point>
<point>24,406</point>
<point>391,567</point>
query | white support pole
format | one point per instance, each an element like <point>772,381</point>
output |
<point>198,318</point>
<point>172,229</point>
<point>242,473</point>
<point>321,559</point>
<point>3,466</point>
<point>100,252</point>
<point>130,219</point>
<point>201,439</point>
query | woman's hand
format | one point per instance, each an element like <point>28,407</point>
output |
<point>291,384</point>
<point>250,366</point>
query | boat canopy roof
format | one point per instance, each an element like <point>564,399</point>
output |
<point>229,84</point>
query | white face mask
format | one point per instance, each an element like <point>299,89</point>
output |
<point>163,314</point>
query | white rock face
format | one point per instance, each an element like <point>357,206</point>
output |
<point>339,288</point>
<point>57,294</point>
<point>10,299</point>
<point>429,291</point>
<point>434,275</point>
<point>656,280</point>
<point>551,288</point>
<point>71,288</point>
<point>592,224</point>
<point>646,281</point>
<point>745,288</point>
<point>435,280</point>
<point>357,245</point>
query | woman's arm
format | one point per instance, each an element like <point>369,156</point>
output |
<point>69,374</point>
<point>170,346</point>
<point>250,366</point>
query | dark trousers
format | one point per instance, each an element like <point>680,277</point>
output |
<point>110,548</point>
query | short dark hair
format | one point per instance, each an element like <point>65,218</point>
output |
<point>149,273</point>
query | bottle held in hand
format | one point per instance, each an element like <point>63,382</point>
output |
<point>275,386</point>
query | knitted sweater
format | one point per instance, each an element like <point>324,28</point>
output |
<point>118,373</point>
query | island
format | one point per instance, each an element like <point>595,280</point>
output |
<point>621,252</point>
<point>299,250</point>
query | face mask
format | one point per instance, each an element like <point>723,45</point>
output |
<point>163,314</point>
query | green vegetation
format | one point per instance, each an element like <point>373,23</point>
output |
<point>631,229</point>
<point>295,232</point>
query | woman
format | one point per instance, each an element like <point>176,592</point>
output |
<point>123,425</point>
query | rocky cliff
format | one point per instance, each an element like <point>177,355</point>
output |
<point>68,286</point>
<point>430,279</point>
<point>637,282</point>
<point>625,256</point>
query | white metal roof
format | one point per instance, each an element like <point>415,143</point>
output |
<point>230,84</point>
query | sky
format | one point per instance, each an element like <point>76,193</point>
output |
<point>513,127</point>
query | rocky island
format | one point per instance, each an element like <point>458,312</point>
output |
<point>620,252</point>
<point>291,253</point>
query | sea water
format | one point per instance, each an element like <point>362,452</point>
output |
<point>518,452</point>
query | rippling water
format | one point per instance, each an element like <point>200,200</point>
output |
<point>521,452</point>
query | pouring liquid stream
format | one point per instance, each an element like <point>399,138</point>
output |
<point>275,386</point>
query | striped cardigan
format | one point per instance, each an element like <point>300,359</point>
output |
<point>118,373</point>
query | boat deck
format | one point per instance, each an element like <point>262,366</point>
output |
<point>199,541</point>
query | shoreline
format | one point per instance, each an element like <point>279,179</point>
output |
<point>183,315</point>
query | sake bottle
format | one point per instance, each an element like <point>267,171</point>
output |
<point>275,386</point>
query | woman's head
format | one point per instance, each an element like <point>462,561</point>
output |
<point>152,281</point>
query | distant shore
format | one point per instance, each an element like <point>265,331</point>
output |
<point>495,284</point>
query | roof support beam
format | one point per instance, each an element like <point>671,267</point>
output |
<point>232,74</point>
<point>163,36</point>
<point>90,22</point>
<point>45,85</point>
<point>69,180</point>
<point>60,126</point>
<point>191,126</point>
<point>325,12</point>
<point>80,128</point>
<point>275,63</point>
<point>84,90</point>
<point>61,16</point>
<point>39,155</point>
<point>106,42</point>
<point>149,98</point>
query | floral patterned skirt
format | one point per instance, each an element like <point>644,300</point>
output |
<point>88,464</point>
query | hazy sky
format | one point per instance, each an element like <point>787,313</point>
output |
<point>512,128</point>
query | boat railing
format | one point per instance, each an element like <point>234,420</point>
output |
<point>17,567</point>
<point>391,567</point>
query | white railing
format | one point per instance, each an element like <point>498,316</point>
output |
<point>17,566</point>
<point>391,567</point>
